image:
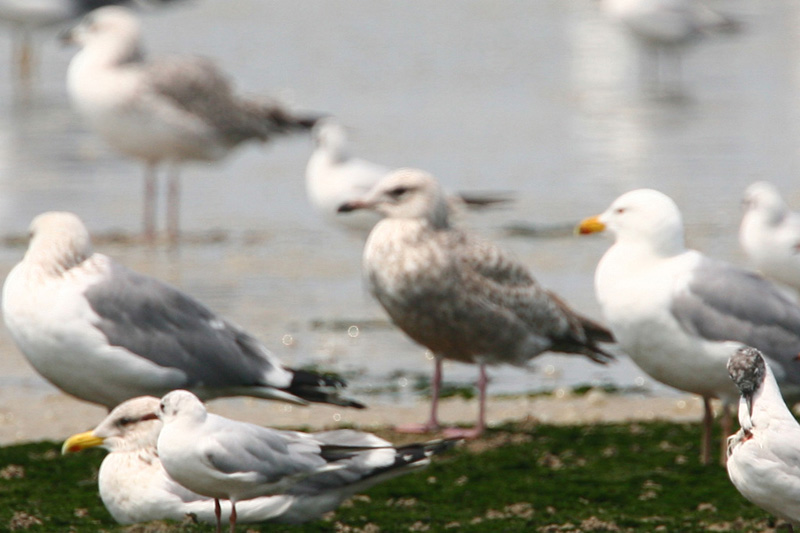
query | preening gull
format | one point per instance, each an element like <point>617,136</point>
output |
<point>764,455</point>
<point>663,28</point>
<point>28,16</point>
<point>104,333</point>
<point>334,177</point>
<point>167,110</point>
<point>230,460</point>
<point>135,487</point>
<point>673,310</point>
<point>770,234</point>
<point>461,297</point>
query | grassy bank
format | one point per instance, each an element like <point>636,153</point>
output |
<point>522,477</point>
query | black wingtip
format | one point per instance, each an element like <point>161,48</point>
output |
<point>319,387</point>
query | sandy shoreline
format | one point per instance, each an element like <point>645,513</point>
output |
<point>26,417</point>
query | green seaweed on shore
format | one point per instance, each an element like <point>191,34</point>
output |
<point>519,477</point>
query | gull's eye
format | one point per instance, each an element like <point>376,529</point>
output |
<point>619,210</point>
<point>125,421</point>
<point>397,192</point>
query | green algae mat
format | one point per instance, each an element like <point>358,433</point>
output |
<point>520,477</point>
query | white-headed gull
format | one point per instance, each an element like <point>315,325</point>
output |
<point>162,111</point>
<point>229,460</point>
<point>672,310</point>
<point>335,177</point>
<point>770,234</point>
<point>135,487</point>
<point>459,296</point>
<point>764,455</point>
<point>104,333</point>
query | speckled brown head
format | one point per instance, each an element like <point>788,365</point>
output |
<point>747,370</point>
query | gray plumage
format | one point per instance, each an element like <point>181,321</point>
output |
<point>461,297</point>
<point>104,333</point>
<point>230,460</point>
<point>162,111</point>
<point>724,302</point>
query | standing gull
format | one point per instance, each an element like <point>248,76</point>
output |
<point>461,297</point>
<point>104,333</point>
<point>770,234</point>
<point>672,310</point>
<point>335,177</point>
<point>135,487</point>
<point>229,460</point>
<point>163,111</point>
<point>764,455</point>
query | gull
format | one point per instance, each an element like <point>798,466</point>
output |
<point>764,455</point>
<point>334,177</point>
<point>28,16</point>
<point>104,333</point>
<point>770,234</point>
<point>230,460</point>
<point>675,311</point>
<point>664,28</point>
<point>162,111</point>
<point>459,296</point>
<point>135,487</point>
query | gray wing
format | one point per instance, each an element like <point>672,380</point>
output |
<point>272,454</point>
<point>199,88</point>
<point>724,302</point>
<point>158,322</point>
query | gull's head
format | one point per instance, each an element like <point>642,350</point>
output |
<point>405,193</point>
<point>644,216</point>
<point>111,29</point>
<point>131,426</point>
<point>330,135</point>
<point>747,369</point>
<point>763,198</point>
<point>59,241</point>
<point>181,404</point>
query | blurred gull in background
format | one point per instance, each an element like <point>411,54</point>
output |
<point>335,177</point>
<point>663,29</point>
<point>770,234</point>
<point>163,111</point>
<point>28,16</point>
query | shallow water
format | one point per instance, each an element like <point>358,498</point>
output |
<point>541,98</point>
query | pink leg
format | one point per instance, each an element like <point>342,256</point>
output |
<point>173,205</point>
<point>233,516</point>
<point>218,513</point>
<point>149,221</point>
<point>433,421</point>
<point>480,427</point>
<point>708,427</point>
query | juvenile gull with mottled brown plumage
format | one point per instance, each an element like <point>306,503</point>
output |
<point>461,297</point>
<point>166,110</point>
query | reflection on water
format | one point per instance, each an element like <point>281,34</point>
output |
<point>538,97</point>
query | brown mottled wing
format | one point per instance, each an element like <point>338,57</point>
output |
<point>196,86</point>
